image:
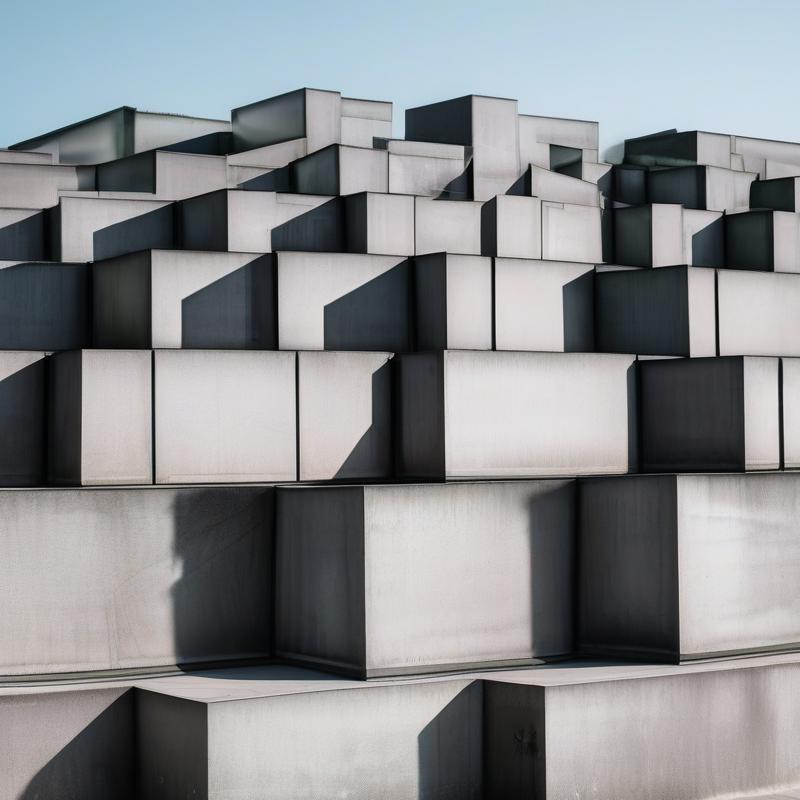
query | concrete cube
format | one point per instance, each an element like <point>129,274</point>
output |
<point>543,305</point>
<point>224,416</point>
<point>474,414</point>
<point>709,188</point>
<point>558,188</point>
<point>511,227</point>
<point>364,120</point>
<point>674,149</point>
<point>175,298</point>
<point>344,416</point>
<point>337,170</point>
<point>452,302</point>
<point>709,414</point>
<point>571,233</point>
<point>37,186</point>
<point>447,226</point>
<point>428,169</point>
<point>379,224</point>
<point>778,194</point>
<point>337,301</point>
<point>99,417</point>
<point>359,569</point>
<point>684,567</point>
<point>763,240</point>
<point>665,312</point>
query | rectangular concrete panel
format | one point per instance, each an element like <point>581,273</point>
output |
<point>447,226</point>
<point>790,407</point>
<point>511,227</point>
<point>571,233</point>
<point>452,302</point>
<point>341,170</point>
<point>379,224</point>
<point>709,414</point>
<point>549,185</point>
<point>473,414</point>
<point>701,187</point>
<point>22,235</point>
<point>123,579</point>
<point>689,566</point>
<point>665,312</point>
<point>543,305</point>
<point>358,571</point>
<point>224,416</point>
<point>428,175</point>
<point>344,416</point>
<point>763,240</point>
<point>337,301</point>
<point>100,417</point>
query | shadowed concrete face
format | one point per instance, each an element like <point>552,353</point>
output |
<point>22,236</point>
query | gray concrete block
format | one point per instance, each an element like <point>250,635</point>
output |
<point>790,408</point>
<point>379,224</point>
<point>571,233</point>
<point>175,298</point>
<point>44,306</point>
<point>359,575</point>
<point>674,149</point>
<point>344,416</point>
<point>758,313</point>
<point>224,416</point>
<point>447,226</point>
<point>553,186</point>
<point>337,170</point>
<point>763,240</point>
<point>292,739</point>
<point>684,567</point>
<point>22,235</point>
<point>36,186</point>
<point>778,194</point>
<point>364,120</point>
<point>511,227</point>
<point>343,301</point>
<point>452,302</point>
<point>709,414</point>
<point>125,579</point>
<point>99,417</point>
<point>668,312</point>
<point>543,305</point>
<point>64,742</point>
<point>22,418</point>
<point>425,172</point>
<point>472,414</point>
<point>700,187</point>
<point>687,733</point>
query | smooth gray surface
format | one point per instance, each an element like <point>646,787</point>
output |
<point>379,224</point>
<point>359,572</point>
<point>473,414</point>
<point>106,579</point>
<point>511,227</point>
<point>763,240</point>
<point>22,235</point>
<point>790,406</point>
<point>447,226</point>
<point>341,170</point>
<point>710,188</point>
<point>571,233</point>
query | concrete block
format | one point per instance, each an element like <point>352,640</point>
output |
<point>575,133</point>
<point>22,418</point>
<point>473,414</point>
<point>36,186</point>
<point>260,222</point>
<point>272,156</point>
<point>380,224</point>
<point>511,227</point>
<point>553,186</point>
<point>22,235</point>
<point>364,120</point>
<point>337,170</point>
<point>99,417</point>
<point>359,569</point>
<point>344,416</point>
<point>758,313</point>
<point>224,416</point>
<point>543,305</point>
<point>666,312</point>
<point>176,298</point>
<point>708,188</point>
<point>571,233</point>
<point>44,306</point>
<point>429,175</point>
<point>684,567</point>
<point>447,226</point>
<point>343,301</point>
<point>487,124</point>
<point>778,194</point>
<point>288,738</point>
<point>763,240</point>
<point>92,228</point>
<point>687,732</point>
<point>662,235</point>
<point>127,579</point>
<point>452,302</point>
<point>790,409</point>
<point>709,414</point>
<point>68,742</point>
<point>674,149</point>
<point>629,184</point>
<point>24,157</point>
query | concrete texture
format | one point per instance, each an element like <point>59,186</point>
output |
<point>472,414</point>
<point>763,240</point>
<point>224,416</point>
<point>552,186</point>
<point>339,170</point>
<point>790,408</point>
<point>511,227</point>
<point>709,188</point>
<point>447,226</point>
<point>571,233</point>
<point>22,235</point>
<point>380,224</point>
<point>358,575</point>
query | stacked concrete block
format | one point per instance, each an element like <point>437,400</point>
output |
<point>511,227</point>
<point>37,186</point>
<point>452,226</point>
<point>22,235</point>
<point>174,298</point>
<point>571,232</point>
<point>358,571</point>
<point>553,186</point>
<point>337,170</point>
<point>479,415</point>
<point>763,240</point>
<point>428,169</point>
<point>778,194</point>
<point>381,224</point>
<point>790,413</point>
<point>707,188</point>
<point>561,145</point>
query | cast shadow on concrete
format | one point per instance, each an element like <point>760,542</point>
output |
<point>23,415</point>
<point>708,245</point>
<point>45,307</point>
<point>450,749</point>
<point>460,188</point>
<point>223,565</point>
<point>97,764</point>
<point>24,240</point>
<point>634,429</point>
<point>577,298</point>
<point>320,229</point>
<point>237,311</point>
<point>276,180</point>
<point>372,456</point>
<point>219,143</point>
<point>374,316</point>
<point>153,230</point>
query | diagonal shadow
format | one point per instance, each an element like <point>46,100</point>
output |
<point>23,240</point>
<point>153,230</point>
<point>708,245</point>
<point>321,229</point>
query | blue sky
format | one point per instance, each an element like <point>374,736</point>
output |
<point>636,67</point>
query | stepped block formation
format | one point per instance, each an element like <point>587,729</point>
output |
<point>451,466</point>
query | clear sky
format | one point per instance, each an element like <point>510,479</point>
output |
<point>636,66</point>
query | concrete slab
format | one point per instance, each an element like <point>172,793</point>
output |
<point>379,224</point>
<point>447,226</point>
<point>763,240</point>
<point>337,170</point>
<point>709,188</point>
<point>22,235</point>
<point>511,227</point>
<point>36,186</point>
<point>553,186</point>
<point>571,233</point>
